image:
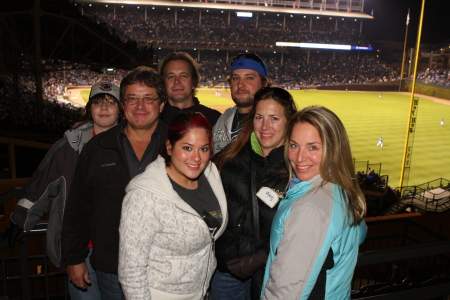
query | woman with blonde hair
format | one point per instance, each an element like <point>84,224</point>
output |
<point>319,225</point>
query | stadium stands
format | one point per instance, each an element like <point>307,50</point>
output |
<point>210,29</point>
<point>212,37</point>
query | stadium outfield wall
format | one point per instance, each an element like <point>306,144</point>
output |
<point>389,86</point>
<point>429,89</point>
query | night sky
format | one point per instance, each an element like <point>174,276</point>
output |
<point>390,20</point>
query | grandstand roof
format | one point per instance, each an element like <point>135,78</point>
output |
<point>286,7</point>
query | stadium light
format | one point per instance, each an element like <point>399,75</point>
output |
<point>244,14</point>
<point>323,46</point>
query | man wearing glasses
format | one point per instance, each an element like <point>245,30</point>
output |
<point>248,75</point>
<point>106,165</point>
<point>180,73</point>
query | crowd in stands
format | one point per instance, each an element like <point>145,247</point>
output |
<point>216,29</point>
<point>22,115</point>
<point>58,114</point>
<point>210,32</point>
<point>296,71</point>
<point>440,77</point>
<point>297,68</point>
<point>329,68</point>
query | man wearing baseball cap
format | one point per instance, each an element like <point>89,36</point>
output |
<point>49,186</point>
<point>248,75</point>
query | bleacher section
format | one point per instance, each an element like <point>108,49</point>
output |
<point>423,198</point>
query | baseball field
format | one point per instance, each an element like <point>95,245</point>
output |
<point>367,117</point>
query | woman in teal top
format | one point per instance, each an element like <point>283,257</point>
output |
<point>319,225</point>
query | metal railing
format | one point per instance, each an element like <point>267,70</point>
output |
<point>412,262</point>
<point>378,274</point>
<point>28,275</point>
<point>425,198</point>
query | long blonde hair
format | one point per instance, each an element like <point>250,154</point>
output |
<point>337,163</point>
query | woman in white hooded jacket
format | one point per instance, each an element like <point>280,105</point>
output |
<point>171,216</point>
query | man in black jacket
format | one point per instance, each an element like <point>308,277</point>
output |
<point>106,165</point>
<point>180,73</point>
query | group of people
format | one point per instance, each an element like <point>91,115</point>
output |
<point>188,25</point>
<point>435,76</point>
<point>296,72</point>
<point>369,179</point>
<point>156,196</point>
<point>21,115</point>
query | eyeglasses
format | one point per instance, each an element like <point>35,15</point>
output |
<point>135,100</point>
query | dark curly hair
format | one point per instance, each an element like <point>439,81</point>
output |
<point>181,125</point>
<point>146,76</point>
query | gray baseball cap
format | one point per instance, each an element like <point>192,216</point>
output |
<point>105,88</point>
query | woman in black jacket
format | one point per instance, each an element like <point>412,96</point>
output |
<point>255,178</point>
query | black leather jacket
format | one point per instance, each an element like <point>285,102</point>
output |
<point>239,237</point>
<point>95,200</point>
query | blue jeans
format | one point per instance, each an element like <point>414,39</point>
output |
<point>92,292</point>
<point>225,286</point>
<point>109,286</point>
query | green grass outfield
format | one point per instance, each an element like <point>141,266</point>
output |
<point>85,95</point>
<point>367,117</point>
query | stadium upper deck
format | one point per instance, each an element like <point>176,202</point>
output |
<point>337,8</point>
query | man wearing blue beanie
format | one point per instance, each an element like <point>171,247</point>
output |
<point>248,75</point>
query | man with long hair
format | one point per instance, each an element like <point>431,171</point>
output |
<point>180,73</point>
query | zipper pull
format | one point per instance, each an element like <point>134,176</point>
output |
<point>213,246</point>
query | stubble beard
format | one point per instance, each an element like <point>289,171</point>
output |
<point>243,103</point>
<point>179,99</point>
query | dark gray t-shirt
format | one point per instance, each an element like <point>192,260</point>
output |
<point>202,200</point>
